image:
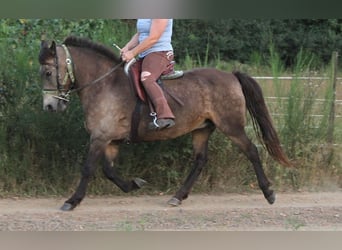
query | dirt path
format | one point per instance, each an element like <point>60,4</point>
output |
<point>295,211</point>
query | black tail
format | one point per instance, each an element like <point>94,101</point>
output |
<point>261,118</point>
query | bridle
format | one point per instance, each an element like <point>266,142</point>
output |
<point>61,93</point>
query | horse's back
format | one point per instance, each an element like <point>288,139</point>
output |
<point>206,85</point>
<point>207,94</point>
<point>208,78</point>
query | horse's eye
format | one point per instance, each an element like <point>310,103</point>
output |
<point>48,73</point>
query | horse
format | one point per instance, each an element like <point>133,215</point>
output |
<point>202,100</point>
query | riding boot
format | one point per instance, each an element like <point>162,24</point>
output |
<point>162,108</point>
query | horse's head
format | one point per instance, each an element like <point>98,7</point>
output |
<point>56,75</point>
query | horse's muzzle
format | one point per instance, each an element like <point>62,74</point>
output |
<point>52,104</point>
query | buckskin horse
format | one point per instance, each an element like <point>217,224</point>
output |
<point>207,99</point>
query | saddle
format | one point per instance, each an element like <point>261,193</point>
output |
<point>133,72</point>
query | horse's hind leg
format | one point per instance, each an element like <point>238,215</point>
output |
<point>240,138</point>
<point>111,152</point>
<point>200,140</point>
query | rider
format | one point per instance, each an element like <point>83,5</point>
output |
<point>152,44</point>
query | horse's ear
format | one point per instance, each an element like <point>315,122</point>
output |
<point>46,51</point>
<point>44,44</point>
<point>53,47</point>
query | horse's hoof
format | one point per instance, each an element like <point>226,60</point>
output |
<point>271,198</point>
<point>139,182</point>
<point>174,202</point>
<point>67,207</point>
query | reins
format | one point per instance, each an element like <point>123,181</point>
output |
<point>70,74</point>
<point>98,79</point>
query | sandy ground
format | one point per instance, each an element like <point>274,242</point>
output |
<point>226,212</point>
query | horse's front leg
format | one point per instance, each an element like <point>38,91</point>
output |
<point>94,154</point>
<point>111,152</point>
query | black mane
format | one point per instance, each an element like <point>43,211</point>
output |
<point>87,43</point>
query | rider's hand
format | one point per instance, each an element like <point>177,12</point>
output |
<point>127,55</point>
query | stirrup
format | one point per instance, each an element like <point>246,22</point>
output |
<point>161,124</point>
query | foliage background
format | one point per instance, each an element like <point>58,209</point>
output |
<point>42,153</point>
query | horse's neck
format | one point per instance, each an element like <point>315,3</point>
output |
<point>93,71</point>
<point>91,67</point>
<point>113,89</point>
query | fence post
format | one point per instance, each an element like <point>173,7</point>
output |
<point>331,124</point>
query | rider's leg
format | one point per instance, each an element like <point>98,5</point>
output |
<point>152,67</point>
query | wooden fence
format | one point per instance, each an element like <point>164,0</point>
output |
<point>336,104</point>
